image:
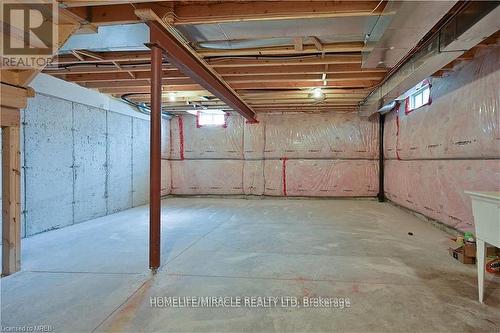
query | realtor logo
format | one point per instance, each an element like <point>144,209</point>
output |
<point>29,32</point>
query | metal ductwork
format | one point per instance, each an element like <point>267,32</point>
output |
<point>389,107</point>
<point>400,27</point>
<point>475,22</point>
<point>123,37</point>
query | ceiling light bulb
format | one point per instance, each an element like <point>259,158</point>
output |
<point>317,93</point>
<point>172,97</point>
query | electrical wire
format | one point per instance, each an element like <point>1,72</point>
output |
<point>141,107</point>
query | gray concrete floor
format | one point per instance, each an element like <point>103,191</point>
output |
<point>93,276</point>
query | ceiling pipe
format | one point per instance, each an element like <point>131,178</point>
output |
<point>389,107</point>
<point>465,29</point>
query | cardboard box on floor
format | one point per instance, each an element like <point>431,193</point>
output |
<point>466,253</point>
<point>470,250</point>
<point>459,254</point>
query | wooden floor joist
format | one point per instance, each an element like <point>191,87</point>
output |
<point>199,12</point>
<point>295,65</point>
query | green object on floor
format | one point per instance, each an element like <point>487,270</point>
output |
<point>469,236</point>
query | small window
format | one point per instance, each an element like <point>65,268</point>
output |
<point>211,119</point>
<point>421,97</point>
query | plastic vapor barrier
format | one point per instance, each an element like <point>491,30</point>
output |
<point>342,178</point>
<point>436,187</point>
<point>282,155</point>
<point>438,151</point>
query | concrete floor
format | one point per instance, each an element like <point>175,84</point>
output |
<point>93,276</point>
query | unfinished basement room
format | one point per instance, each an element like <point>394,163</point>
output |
<point>250,166</point>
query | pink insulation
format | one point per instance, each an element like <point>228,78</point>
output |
<point>318,178</point>
<point>317,136</point>
<point>207,177</point>
<point>463,120</point>
<point>207,142</point>
<point>326,155</point>
<point>450,146</point>
<point>166,174</point>
<point>436,187</point>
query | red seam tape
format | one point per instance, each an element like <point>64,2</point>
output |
<point>284,175</point>
<point>170,156</point>
<point>181,137</point>
<point>397,134</point>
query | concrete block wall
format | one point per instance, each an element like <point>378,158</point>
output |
<point>84,156</point>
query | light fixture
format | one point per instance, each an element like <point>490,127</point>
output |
<point>172,97</point>
<point>317,93</point>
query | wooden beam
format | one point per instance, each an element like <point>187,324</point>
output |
<point>308,60</point>
<point>310,103</point>
<point>314,110</point>
<point>124,80</point>
<point>297,48</point>
<point>14,97</point>
<point>251,95</point>
<point>107,57</point>
<point>300,100</point>
<point>224,71</point>
<point>305,84</point>
<point>293,92</point>
<point>255,101</point>
<point>11,201</point>
<point>146,89</point>
<point>303,77</point>
<point>78,56</point>
<point>86,3</point>
<point>141,87</point>
<point>298,44</point>
<point>107,68</point>
<point>188,62</point>
<point>219,11</point>
<point>136,83</point>
<point>118,12</point>
<point>120,76</point>
<point>9,117</point>
<point>90,54</point>
<point>19,77</point>
<point>141,56</point>
<point>189,12</point>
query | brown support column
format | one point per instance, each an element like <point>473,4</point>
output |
<point>11,204</point>
<point>155,159</point>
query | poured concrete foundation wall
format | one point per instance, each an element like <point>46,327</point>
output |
<point>436,152</point>
<point>81,159</point>
<point>330,155</point>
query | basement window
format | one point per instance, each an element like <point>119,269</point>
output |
<point>213,119</point>
<point>419,97</point>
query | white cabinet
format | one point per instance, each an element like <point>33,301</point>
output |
<point>486,210</point>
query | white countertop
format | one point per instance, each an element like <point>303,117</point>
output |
<point>495,195</point>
